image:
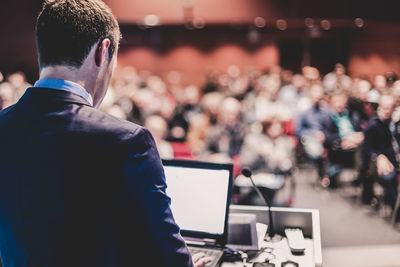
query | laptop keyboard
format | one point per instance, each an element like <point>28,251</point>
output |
<point>212,253</point>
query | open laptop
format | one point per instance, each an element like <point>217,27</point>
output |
<point>200,195</point>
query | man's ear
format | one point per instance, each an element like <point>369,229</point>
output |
<point>101,55</point>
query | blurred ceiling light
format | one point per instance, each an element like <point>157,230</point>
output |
<point>281,24</point>
<point>199,23</point>
<point>325,24</point>
<point>309,22</point>
<point>151,20</point>
<point>359,22</point>
<point>259,22</point>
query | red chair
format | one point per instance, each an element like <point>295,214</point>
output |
<point>181,150</point>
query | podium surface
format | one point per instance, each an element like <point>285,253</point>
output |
<point>305,219</point>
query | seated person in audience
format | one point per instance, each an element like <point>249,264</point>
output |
<point>361,110</point>
<point>18,81</point>
<point>310,129</point>
<point>197,134</point>
<point>294,97</point>
<point>269,151</point>
<point>210,104</point>
<point>7,95</point>
<point>141,101</point>
<point>396,94</point>
<point>269,154</point>
<point>343,138</point>
<point>380,84</point>
<point>359,107</point>
<point>337,79</point>
<point>381,144</point>
<point>158,128</point>
<point>312,75</point>
<point>186,108</point>
<point>225,138</point>
<point>379,87</point>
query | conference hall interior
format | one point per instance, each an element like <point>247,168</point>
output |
<point>287,92</point>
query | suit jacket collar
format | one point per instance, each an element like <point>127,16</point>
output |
<point>49,95</point>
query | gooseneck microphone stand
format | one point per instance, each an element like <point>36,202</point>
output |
<point>271,235</point>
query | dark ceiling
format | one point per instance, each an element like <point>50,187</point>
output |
<point>384,10</point>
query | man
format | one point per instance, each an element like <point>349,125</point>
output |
<point>310,130</point>
<point>337,79</point>
<point>225,139</point>
<point>294,97</point>
<point>343,138</point>
<point>381,144</point>
<point>79,187</point>
<point>360,108</point>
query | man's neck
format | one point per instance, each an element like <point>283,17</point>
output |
<point>70,74</point>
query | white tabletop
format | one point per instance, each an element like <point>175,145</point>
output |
<point>282,253</point>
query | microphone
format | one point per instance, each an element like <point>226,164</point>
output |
<point>271,230</point>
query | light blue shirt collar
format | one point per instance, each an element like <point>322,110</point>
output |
<point>65,85</point>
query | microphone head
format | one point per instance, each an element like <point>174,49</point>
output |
<point>246,172</point>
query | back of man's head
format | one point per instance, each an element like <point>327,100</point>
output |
<point>66,30</point>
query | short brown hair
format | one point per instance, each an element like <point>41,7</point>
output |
<point>66,30</point>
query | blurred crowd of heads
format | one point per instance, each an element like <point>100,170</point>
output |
<point>12,87</point>
<point>253,98</point>
<point>249,99</point>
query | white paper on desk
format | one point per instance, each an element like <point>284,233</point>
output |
<point>261,232</point>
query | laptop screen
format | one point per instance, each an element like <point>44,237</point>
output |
<point>200,194</point>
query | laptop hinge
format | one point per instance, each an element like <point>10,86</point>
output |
<point>209,242</point>
<point>200,241</point>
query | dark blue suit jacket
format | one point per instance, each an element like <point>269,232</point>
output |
<point>81,188</point>
<point>378,140</point>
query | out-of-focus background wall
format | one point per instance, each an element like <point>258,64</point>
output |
<point>173,35</point>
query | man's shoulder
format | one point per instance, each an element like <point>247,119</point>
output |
<point>94,120</point>
<point>4,114</point>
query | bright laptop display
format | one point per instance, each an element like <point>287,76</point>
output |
<point>200,196</point>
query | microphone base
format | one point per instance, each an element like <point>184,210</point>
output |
<point>273,239</point>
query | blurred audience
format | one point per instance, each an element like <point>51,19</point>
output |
<point>269,120</point>
<point>7,95</point>
<point>269,150</point>
<point>18,81</point>
<point>158,128</point>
